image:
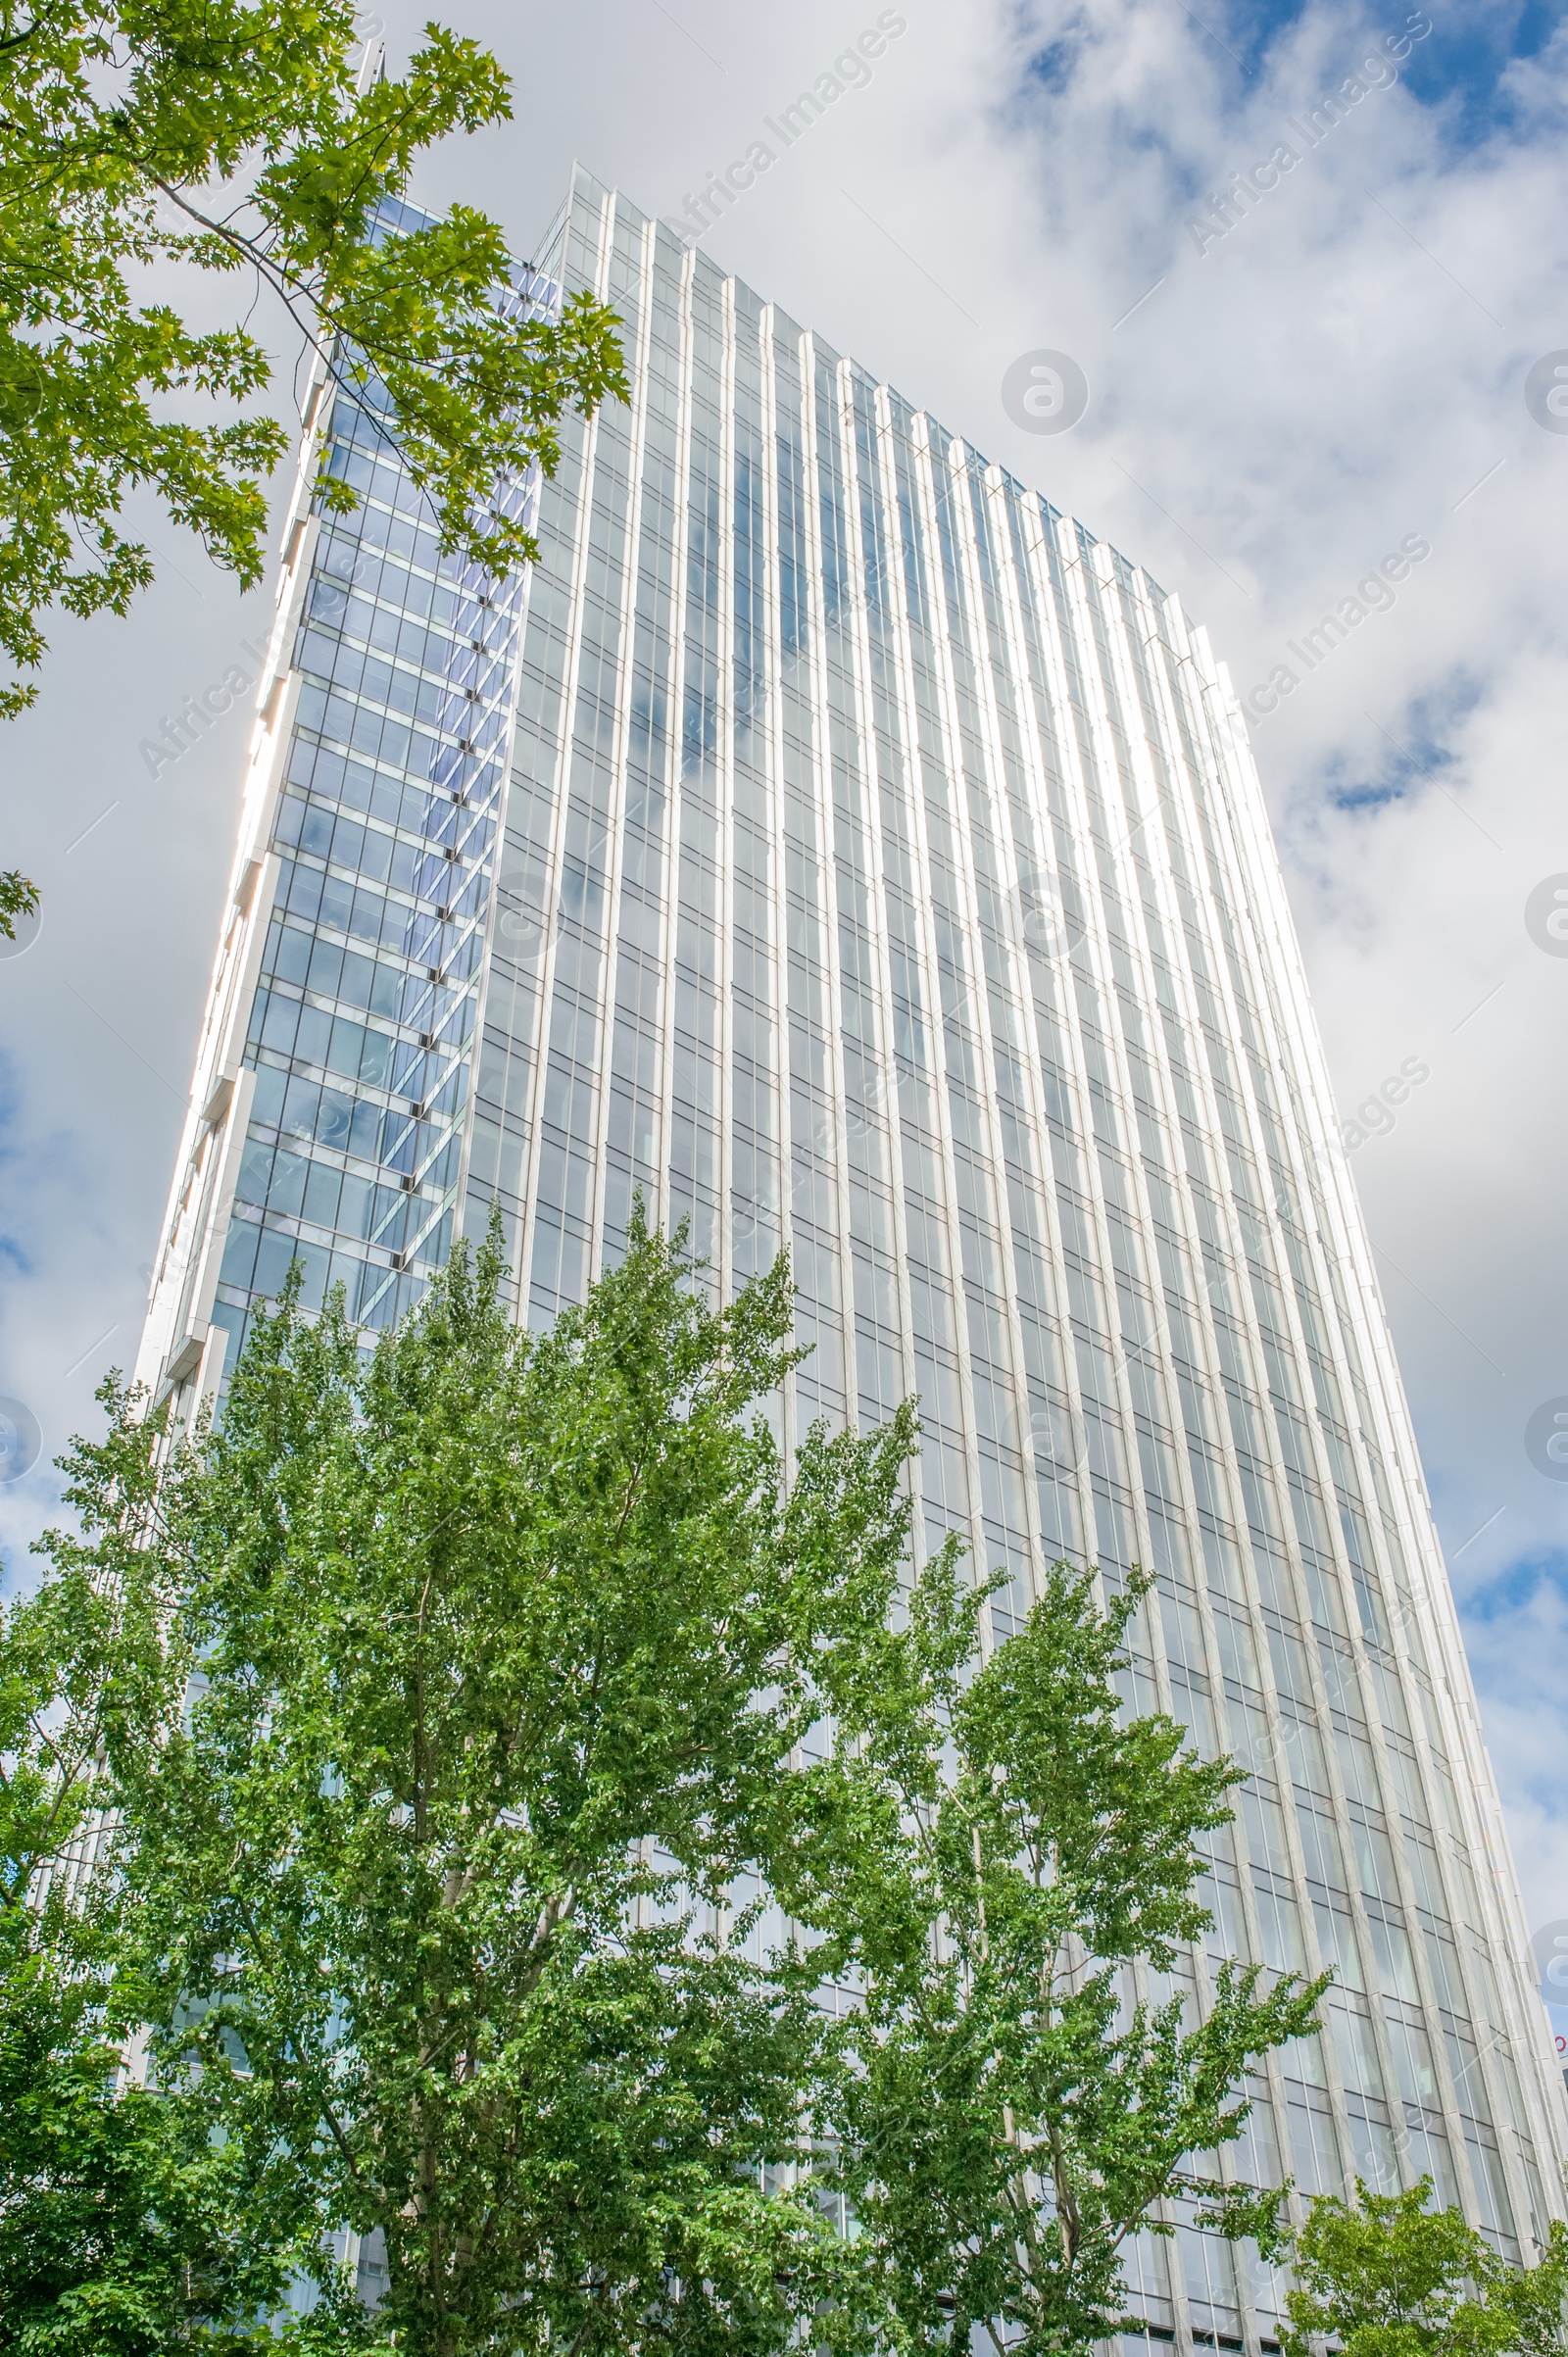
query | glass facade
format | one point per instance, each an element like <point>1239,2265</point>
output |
<point>347,997</point>
<point>838,845</point>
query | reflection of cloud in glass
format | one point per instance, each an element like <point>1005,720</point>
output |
<point>1043,925</point>
<point>1054,1435</point>
<point>522,927</point>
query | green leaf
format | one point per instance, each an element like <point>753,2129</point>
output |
<point>214,136</point>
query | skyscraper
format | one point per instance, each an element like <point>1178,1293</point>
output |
<point>837,843</point>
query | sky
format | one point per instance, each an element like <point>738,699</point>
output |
<point>1351,360</point>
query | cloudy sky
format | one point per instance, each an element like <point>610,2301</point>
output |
<point>1280,394</point>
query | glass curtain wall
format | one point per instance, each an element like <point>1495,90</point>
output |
<point>838,847</point>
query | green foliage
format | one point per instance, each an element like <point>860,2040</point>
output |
<point>124,2229</point>
<point>1386,2276</point>
<point>486,1659</point>
<point>211,135</point>
<point>461,1708</point>
<point>989,1850</point>
<point>18,898</point>
<point>122,2225</point>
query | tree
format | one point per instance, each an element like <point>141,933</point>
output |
<point>1386,2276</point>
<point>483,1661</point>
<point>124,2230</point>
<point>212,135</point>
<point>19,896</point>
<point>504,1763</point>
<point>122,2223</point>
<point>990,1846</point>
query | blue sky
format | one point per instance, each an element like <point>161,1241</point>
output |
<point>1458,68</point>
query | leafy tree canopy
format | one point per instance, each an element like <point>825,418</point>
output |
<point>1386,2276</point>
<point>546,1838</point>
<point>124,2223</point>
<point>991,1847</point>
<point>142,143</point>
<point>19,896</point>
<point>473,1668</point>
